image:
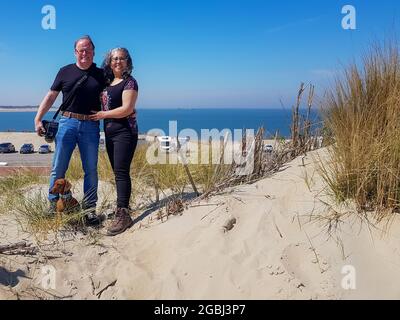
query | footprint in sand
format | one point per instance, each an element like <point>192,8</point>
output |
<point>301,263</point>
<point>229,224</point>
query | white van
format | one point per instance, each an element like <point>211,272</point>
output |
<point>165,143</point>
<point>169,144</point>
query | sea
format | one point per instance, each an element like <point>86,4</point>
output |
<point>274,121</point>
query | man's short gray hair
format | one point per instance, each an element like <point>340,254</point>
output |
<point>86,37</point>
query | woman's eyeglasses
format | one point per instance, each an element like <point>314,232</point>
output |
<point>115,59</point>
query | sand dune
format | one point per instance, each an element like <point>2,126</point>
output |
<point>260,241</point>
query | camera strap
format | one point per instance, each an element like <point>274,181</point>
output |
<point>72,94</point>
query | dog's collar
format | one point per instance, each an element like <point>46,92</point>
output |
<point>66,196</point>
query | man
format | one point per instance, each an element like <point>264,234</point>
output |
<point>75,128</point>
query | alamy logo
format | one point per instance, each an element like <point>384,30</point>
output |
<point>223,146</point>
<point>349,280</point>
<point>49,20</point>
<point>349,20</point>
<point>48,280</point>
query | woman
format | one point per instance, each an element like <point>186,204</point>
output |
<point>121,132</point>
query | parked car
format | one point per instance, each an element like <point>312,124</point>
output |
<point>45,148</point>
<point>27,148</point>
<point>7,147</point>
<point>268,148</point>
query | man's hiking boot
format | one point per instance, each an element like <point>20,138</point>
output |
<point>52,209</point>
<point>91,218</point>
<point>121,222</point>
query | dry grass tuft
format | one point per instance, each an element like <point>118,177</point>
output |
<point>362,115</point>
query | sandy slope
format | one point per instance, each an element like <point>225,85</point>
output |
<point>277,249</point>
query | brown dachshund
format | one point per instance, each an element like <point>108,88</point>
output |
<point>66,203</point>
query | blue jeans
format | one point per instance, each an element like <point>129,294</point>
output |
<point>86,135</point>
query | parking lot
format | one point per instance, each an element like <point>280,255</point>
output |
<point>26,160</point>
<point>17,159</point>
<point>35,159</point>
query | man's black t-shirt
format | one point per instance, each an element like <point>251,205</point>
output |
<point>87,97</point>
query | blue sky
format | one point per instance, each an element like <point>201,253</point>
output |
<point>189,53</point>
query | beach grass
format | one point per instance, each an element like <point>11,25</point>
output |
<point>32,214</point>
<point>362,117</point>
<point>12,188</point>
<point>169,176</point>
<point>31,206</point>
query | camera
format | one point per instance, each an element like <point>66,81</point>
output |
<point>51,128</point>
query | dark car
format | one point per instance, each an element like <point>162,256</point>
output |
<point>7,147</point>
<point>27,148</point>
<point>45,148</point>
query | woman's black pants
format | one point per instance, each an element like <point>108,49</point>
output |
<point>121,142</point>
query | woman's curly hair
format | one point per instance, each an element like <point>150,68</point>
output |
<point>108,73</point>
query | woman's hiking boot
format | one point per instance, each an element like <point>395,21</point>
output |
<point>121,222</point>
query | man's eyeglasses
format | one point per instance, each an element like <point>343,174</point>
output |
<point>115,59</point>
<point>87,51</point>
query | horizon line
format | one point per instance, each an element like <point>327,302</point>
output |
<point>171,108</point>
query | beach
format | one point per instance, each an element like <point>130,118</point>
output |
<point>267,240</point>
<point>235,167</point>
